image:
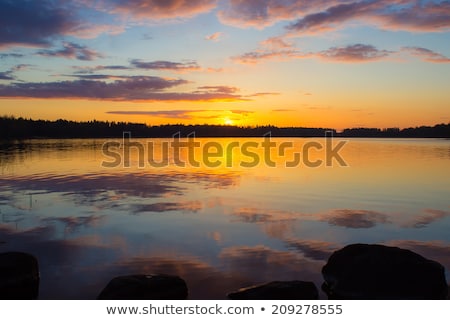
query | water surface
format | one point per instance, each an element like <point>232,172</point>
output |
<point>220,228</point>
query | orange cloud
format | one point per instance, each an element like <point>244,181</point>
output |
<point>156,9</point>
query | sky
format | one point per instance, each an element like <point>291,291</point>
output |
<point>334,64</point>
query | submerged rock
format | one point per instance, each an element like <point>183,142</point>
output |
<point>363,271</point>
<point>19,276</point>
<point>145,287</point>
<point>278,290</point>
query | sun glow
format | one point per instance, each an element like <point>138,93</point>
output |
<point>227,121</point>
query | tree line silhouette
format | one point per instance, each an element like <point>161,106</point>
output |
<point>21,128</point>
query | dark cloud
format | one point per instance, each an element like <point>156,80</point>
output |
<point>426,54</point>
<point>130,88</point>
<point>354,53</point>
<point>11,55</point>
<point>9,74</point>
<point>325,15</point>
<point>89,70</point>
<point>166,65</point>
<point>406,15</point>
<point>6,75</point>
<point>72,50</point>
<point>355,219</point>
<point>191,206</point>
<point>32,23</point>
<point>326,20</point>
<point>429,216</point>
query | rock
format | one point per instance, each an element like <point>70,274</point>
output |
<point>363,271</point>
<point>19,276</point>
<point>145,287</point>
<point>278,290</point>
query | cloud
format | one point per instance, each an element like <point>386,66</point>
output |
<point>397,15</point>
<point>72,50</point>
<point>282,110</point>
<point>191,206</point>
<point>350,53</point>
<point>348,218</point>
<point>429,216</point>
<point>261,263</point>
<point>262,13</point>
<point>220,89</point>
<point>6,75</point>
<point>37,23</point>
<point>276,49</point>
<point>354,53</point>
<point>130,88</point>
<point>32,23</point>
<point>88,70</point>
<point>355,219</point>
<point>180,114</point>
<point>11,55</point>
<point>262,94</point>
<point>9,74</point>
<point>426,54</point>
<point>277,43</point>
<point>314,249</point>
<point>125,89</point>
<point>166,65</point>
<point>325,15</point>
<point>258,56</point>
<point>157,9</point>
<point>214,37</point>
<point>171,114</point>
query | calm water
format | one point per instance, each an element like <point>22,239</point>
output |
<point>218,228</point>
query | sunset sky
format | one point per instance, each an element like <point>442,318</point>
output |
<point>337,63</point>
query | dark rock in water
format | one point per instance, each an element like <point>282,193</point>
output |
<point>278,290</point>
<point>19,276</point>
<point>363,271</point>
<point>145,287</point>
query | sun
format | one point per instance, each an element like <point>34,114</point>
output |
<point>227,121</point>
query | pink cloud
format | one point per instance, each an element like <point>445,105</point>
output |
<point>262,13</point>
<point>260,55</point>
<point>350,53</point>
<point>354,53</point>
<point>426,54</point>
<point>214,37</point>
<point>321,16</point>
<point>158,9</point>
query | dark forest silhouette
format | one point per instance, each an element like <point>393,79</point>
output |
<point>20,128</point>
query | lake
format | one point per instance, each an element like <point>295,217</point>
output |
<point>222,213</point>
